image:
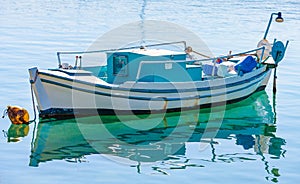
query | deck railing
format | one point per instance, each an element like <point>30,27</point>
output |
<point>214,59</point>
<point>112,50</point>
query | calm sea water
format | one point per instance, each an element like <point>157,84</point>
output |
<point>257,142</point>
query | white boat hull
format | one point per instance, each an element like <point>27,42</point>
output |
<point>59,93</point>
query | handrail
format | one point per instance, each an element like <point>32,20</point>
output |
<point>203,55</point>
<point>231,55</point>
<point>108,50</point>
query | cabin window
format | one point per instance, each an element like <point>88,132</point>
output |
<point>120,67</point>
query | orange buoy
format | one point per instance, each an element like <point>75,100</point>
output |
<point>17,115</point>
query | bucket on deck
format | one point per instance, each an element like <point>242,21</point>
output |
<point>247,65</point>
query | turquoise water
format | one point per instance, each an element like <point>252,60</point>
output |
<point>257,142</point>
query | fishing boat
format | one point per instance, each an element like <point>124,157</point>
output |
<point>72,140</point>
<point>154,78</point>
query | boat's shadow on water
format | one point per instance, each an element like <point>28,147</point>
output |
<point>165,141</point>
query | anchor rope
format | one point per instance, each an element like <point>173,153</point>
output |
<point>33,103</point>
<point>34,112</point>
<point>32,96</point>
<point>33,136</point>
<point>4,113</point>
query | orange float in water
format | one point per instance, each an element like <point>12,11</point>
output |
<point>17,115</point>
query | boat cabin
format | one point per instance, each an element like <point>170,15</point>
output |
<point>150,65</point>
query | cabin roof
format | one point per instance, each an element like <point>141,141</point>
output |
<point>151,52</point>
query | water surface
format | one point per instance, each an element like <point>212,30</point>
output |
<point>257,142</point>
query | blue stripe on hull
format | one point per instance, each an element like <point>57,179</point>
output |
<point>154,90</point>
<point>149,98</point>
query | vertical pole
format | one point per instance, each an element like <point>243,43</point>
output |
<point>262,55</point>
<point>80,60</point>
<point>274,107</point>
<point>59,61</point>
<point>275,71</point>
<point>274,80</point>
<point>76,61</point>
<point>214,68</point>
<point>269,24</point>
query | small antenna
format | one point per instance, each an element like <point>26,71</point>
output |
<point>142,16</point>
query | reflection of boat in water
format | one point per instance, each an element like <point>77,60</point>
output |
<point>160,139</point>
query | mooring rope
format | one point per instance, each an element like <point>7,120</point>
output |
<point>33,103</point>
<point>33,136</point>
<point>32,96</point>
<point>4,113</point>
<point>34,112</point>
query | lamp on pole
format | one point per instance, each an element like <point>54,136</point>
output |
<point>278,19</point>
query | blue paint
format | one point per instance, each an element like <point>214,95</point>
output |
<point>278,51</point>
<point>112,94</point>
<point>210,69</point>
<point>219,86</point>
<point>98,71</point>
<point>155,72</point>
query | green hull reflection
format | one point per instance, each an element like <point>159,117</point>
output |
<point>161,138</point>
